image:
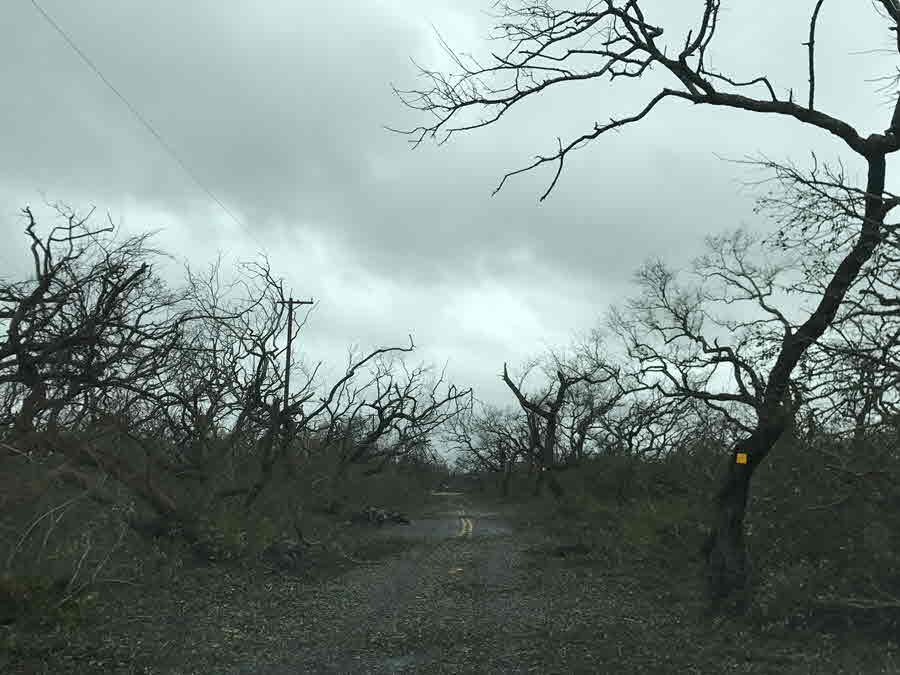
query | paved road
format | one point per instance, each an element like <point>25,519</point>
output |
<point>436,608</point>
<point>468,594</point>
<point>455,515</point>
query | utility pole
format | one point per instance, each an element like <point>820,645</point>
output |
<point>290,302</point>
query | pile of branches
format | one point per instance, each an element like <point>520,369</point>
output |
<point>377,516</point>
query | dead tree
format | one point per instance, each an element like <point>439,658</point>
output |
<point>855,377</point>
<point>616,39</point>
<point>580,415</point>
<point>94,324</point>
<point>646,424</point>
<point>717,341</point>
<point>390,412</point>
<point>544,413</point>
<point>492,440</point>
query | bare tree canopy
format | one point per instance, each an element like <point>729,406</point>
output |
<point>547,47</point>
<point>175,393</point>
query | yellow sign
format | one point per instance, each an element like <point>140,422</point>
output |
<point>741,458</point>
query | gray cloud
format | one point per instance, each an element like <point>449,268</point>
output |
<point>279,109</point>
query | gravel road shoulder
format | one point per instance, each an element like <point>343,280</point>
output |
<point>495,600</point>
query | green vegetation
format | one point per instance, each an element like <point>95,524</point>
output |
<point>823,538</point>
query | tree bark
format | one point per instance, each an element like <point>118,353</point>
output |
<point>507,475</point>
<point>725,549</point>
<point>546,476</point>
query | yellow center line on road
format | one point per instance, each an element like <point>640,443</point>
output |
<point>465,529</point>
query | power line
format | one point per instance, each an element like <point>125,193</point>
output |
<point>149,127</point>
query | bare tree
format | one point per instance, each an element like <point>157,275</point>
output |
<point>852,372</point>
<point>646,424</point>
<point>491,439</point>
<point>544,410</point>
<point>388,415</point>
<point>580,416</point>
<point>94,330</point>
<point>177,395</point>
<point>855,383</point>
<point>548,47</point>
<point>716,340</point>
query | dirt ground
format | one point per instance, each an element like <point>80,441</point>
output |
<point>469,587</point>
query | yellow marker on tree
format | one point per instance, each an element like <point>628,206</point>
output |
<point>741,458</point>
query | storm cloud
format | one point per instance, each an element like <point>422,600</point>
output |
<point>279,109</point>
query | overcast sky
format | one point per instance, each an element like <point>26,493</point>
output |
<point>278,108</point>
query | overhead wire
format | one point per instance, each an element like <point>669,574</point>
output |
<point>134,111</point>
<point>143,120</point>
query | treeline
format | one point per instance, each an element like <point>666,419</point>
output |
<point>168,406</point>
<point>763,333</point>
<point>668,393</point>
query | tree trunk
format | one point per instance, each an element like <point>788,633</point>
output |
<point>548,478</point>
<point>725,549</point>
<point>268,454</point>
<point>539,481</point>
<point>554,485</point>
<point>507,475</point>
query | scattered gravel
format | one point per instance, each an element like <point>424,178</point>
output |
<point>488,603</point>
